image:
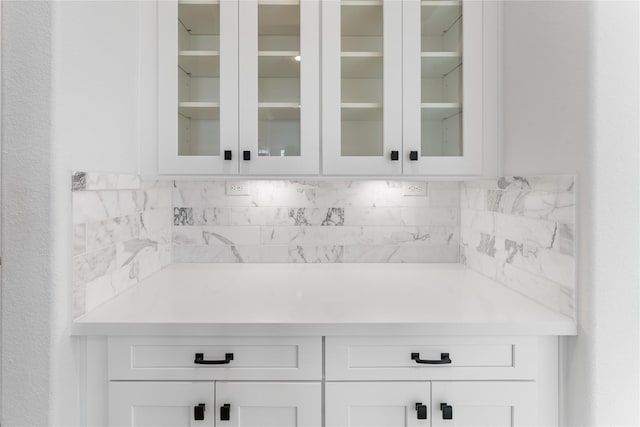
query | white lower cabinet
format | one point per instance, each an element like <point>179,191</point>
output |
<point>335,382</point>
<point>380,404</point>
<point>268,404</point>
<point>160,404</point>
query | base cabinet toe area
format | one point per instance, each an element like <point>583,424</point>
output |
<point>332,381</point>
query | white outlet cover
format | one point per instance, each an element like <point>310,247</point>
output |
<point>237,188</point>
<point>415,189</point>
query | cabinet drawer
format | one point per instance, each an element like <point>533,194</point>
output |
<point>260,358</point>
<point>392,358</point>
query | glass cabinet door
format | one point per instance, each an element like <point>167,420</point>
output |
<point>442,75</point>
<point>362,104</point>
<point>198,46</point>
<point>279,87</point>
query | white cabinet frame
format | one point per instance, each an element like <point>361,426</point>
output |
<point>333,161</point>
<point>169,162</point>
<point>471,161</point>
<point>308,161</point>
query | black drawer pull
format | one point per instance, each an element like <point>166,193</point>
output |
<point>225,412</point>
<point>198,412</point>
<point>444,359</point>
<point>199,360</point>
<point>246,155</point>
<point>447,411</point>
<point>227,155</point>
<point>422,411</point>
<point>413,155</point>
<point>395,155</point>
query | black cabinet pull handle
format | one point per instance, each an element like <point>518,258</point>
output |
<point>395,155</point>
<point>447,411</point>
<point>198,412</point>
<point>422,411</point>
<point>246,155</point>
<point>227,154</point>
<point>444,359</point>
<point>199,360</point>
<point>413,155</point>
<point>225,412</point>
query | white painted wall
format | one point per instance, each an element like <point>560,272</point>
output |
<point>96,83</point>
<point>70,75</point>
<point>571,97</point>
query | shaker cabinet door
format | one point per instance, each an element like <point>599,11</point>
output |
<point>442,87</point>
<point>279,90</point>
<point>484,404</point>
<point>198,87</point>
<point>362,87</point>
<point>268,404</point>
<point>378,404</point>
<point>161,404</point>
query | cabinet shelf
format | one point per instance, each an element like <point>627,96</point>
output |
<point>200,110</point>
<point>438,64</point>
<point>368,65</point>
<point>278,64</point>
<point>361,111</point>
<point>439,17</point>
<point>200,63</point>
<point>200,17</point>
<point>279,111</point>
<point>439,110</point>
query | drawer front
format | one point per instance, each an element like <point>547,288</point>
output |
<point>260,358</point>
<point>406,358</point>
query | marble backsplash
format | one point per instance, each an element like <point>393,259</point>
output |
<point>315,221</point>
<point>519,231</point>
<point>121,234</point>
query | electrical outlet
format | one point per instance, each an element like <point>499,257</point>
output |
<point>237,188</point>
<point>415,189</point>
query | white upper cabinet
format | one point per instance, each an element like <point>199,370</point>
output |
<point>279,87</point>
<point>442,87</point>
<point>362,86</point>
<point>403,87</point>
<point>198,87</point>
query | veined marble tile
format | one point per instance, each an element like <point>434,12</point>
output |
<point>478,261</point>
<point>548,183</point>
<point>200,216</point>
<point>530,285</point>
<point>216,236</point>
<point>565,242</point>
<point>473,198</point>
<point>322,217</point>
<point>92,265</point>
<point>402,216</point>
<point>78,181</point>
<point>104,181</point>
<point>258,216</point>
<point>78,304</point>
<point>399,253</point>
<point>250,253</point>
<point>536,232</point>
<point>443,194</point>
<point>111,232</point>
<point>552,265</point>
<point>129,251</point>
<point>98,292</point>
<point>154,220</point>
<point>481,221</point>
<point>79,239</point>
<point>94,206</point>
<point>341,236</point>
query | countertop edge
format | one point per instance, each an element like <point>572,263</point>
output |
<point>567,328</point>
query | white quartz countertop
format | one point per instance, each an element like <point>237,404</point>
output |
<point>321,299</point>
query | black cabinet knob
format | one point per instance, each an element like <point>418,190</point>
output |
<point>198,412</point>
<point>246,155</point>
<point>413,155</point>
<point>447,411</point>
<point>444,359</point>
<point>227,154</point>
<point>395,155</point>
<point>421,410</point>
<point>199,360</point>
<point>225,412</point>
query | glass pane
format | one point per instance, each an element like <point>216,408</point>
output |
<point>278,78</point>
<point>441,85</point>
<point>198,79</point>
<point>362,78</point>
